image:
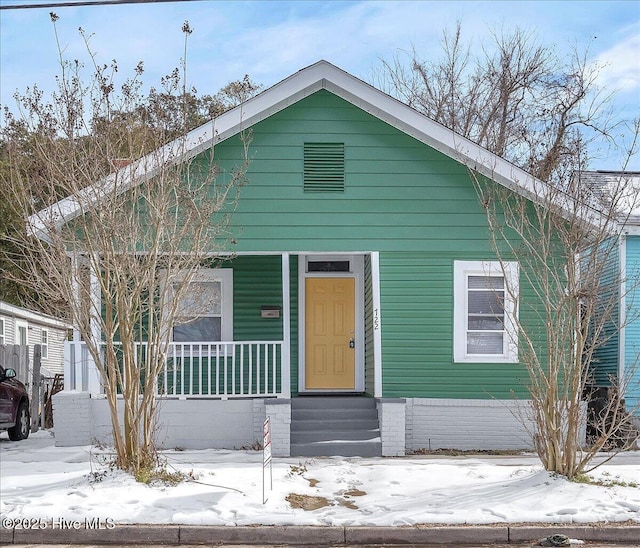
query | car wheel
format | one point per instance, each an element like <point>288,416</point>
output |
<point>22,428</point>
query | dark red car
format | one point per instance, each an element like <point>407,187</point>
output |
<point>14,406</point>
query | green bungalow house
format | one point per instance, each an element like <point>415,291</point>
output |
<point>361,286</point>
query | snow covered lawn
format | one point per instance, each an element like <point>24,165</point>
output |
<point>39,480</point>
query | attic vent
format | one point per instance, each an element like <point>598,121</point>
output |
<point>324,167</point>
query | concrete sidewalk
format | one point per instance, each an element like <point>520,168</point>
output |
<point>624,534</point>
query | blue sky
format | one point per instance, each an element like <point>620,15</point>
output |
<point>271,40</point>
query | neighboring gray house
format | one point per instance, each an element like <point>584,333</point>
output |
<point>26,327</point>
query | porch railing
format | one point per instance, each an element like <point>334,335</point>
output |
<point>238,369</point>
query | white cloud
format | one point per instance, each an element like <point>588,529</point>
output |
<point>621,63</point>
<point>270,40</point>
<point>350,35</point>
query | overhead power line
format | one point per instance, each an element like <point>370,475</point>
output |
<point>70,3</point>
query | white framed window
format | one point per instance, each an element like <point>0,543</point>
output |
<point>22,333</point>
<point>205,310</point>
<point>1,330</point>
<point>44,343</point>
<point>485,311</point>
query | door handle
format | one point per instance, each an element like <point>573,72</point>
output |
<point>352,343</point>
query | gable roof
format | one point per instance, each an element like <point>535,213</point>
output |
<point>320,75</point>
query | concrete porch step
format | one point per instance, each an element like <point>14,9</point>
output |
<point>333,414</point>
<point>334,448</point>
<point>307,436</point>
<point>335,425</point>
<point>333,402</point>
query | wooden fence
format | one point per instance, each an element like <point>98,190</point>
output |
<point>28,372</point>
<point>16,357</point>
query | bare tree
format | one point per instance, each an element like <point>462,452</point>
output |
<point>566,241</point>
<point>141,215</point>
<point>517,99</point>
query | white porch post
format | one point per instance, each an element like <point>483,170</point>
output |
<point>377,324</point>
<point>81,372</point>
<point>286,327</point>
<point>69,365</point>
<point>71,362</point>
<point>94,381</point>
<point>75,281</point>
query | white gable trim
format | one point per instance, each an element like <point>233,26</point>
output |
<point>321,75</point>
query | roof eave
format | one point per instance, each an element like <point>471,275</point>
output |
<point>632,226</point>
<point>32,315</point>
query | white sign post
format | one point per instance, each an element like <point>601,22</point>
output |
<point>266,457</point>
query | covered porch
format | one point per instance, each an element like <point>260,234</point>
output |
<point>216,394</point>
<point>265,342</point>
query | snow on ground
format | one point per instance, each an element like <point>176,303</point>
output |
<point>39,480</point>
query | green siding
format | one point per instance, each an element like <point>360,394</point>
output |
<point>257,281</point>
<point>293,275</point>
<point>417,334</point>
<point>632,329</point>
<point>607,358</point>
<point>400,195</point>
<point>606,355</point>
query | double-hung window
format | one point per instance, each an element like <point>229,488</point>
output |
<point>204,312</point>
<point>44,343</point>
<point>485,309</point>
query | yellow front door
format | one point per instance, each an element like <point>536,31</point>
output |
<point>330,334</point>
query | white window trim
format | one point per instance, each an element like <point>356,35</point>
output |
<point>17,326</point>
<point>225,277</point>
<point>1,330</point>
<point>44,346</point>
<point>357,272</point>
<point>508,270</point>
